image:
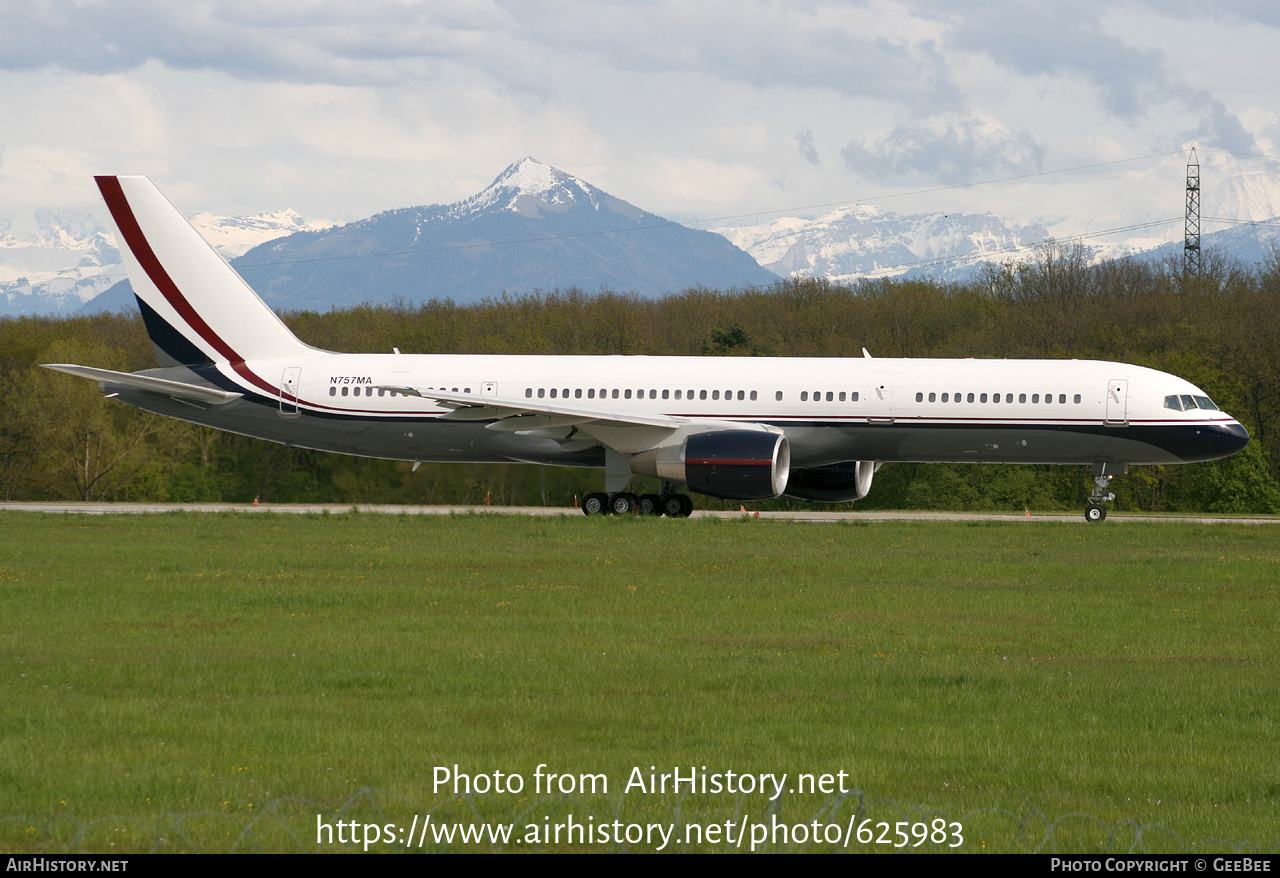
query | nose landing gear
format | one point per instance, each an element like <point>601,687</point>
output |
<point>1103,473</point>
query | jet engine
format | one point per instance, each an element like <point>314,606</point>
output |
<point>838,483</point>
<point>733,464</point>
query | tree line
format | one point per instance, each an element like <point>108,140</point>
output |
<point>1220,329</point>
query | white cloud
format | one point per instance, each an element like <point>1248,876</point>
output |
<point>342,108</point>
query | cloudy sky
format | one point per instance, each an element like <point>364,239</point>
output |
<point>703,109</point>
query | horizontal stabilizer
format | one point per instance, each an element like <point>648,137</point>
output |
<point>134,381</point>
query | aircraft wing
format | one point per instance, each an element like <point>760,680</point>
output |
<point>623,431</point>
<point>528,414</point>
<point>133,381</point>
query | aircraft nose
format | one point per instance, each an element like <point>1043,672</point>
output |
<point>1233,437</point>
<point>1201,442</point>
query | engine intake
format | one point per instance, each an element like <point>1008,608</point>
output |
<point>838,483</point>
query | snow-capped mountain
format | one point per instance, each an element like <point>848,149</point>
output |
<point>533,228</point>
<point>234,236</point>
<point>533,189</point>
<point>536,227</point>
<point>861,240</point>
<point>858,241</point>
<point>53,262</point>
<point>1244,197</point>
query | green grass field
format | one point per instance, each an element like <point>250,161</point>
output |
<point>169,679</point>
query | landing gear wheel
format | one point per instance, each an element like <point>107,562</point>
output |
<point>650,504</point>
<point>595,504</point>
<point>676,505</point>
<point>623,504</point>
<point>1095,512</point>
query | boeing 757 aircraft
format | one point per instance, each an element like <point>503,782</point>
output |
<point>738,428</point>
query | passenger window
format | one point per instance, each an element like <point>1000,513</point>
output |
<point>982,398</point>
<point>615,393</point>
<point>1022,397</point>
<point>591,393</point>
<point>971,397</point>
<point>577,393</point>
<point>742,394</point>
<point>1077,399</point>
<point>933,397</point>
<point>344,391</point>
<point>1062,399</point>
<point>333,391</point>
<point>919,397</point>
<point>804,396</point>
<point>778,395</point>
<point>677,394</point>
<point>702,394</point>
<point>830,396</point>
<point>627,394</point>
<point>842,396</point>
<point>1035,397</point>
<point>753,396</point>
<point>715,394</point>
<point>653,394</point>
<point>666,394</point>
<point>854,396</point>
<point>946,397</point>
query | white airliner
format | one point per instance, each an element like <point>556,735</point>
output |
<point>739,428</point>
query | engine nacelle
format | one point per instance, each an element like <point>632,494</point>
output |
<point>733,464</point>
<point>838,483</point>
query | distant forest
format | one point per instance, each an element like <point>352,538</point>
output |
<point>60,439</point>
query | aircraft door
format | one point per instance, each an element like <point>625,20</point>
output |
<point>1118,402</point>
<point>881,397</point>
<point>289,385</point>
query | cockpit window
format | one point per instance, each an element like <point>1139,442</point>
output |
<point>1186,403</point>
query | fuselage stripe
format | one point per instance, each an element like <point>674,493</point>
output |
<point>726,461</point>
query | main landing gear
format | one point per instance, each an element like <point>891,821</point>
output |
<point>625,503</point>
<point>1103,473</point>
<point>618,501</point>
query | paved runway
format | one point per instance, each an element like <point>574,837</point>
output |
<point>806,516</point>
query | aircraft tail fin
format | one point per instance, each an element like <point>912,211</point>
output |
<point>197,309</point>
